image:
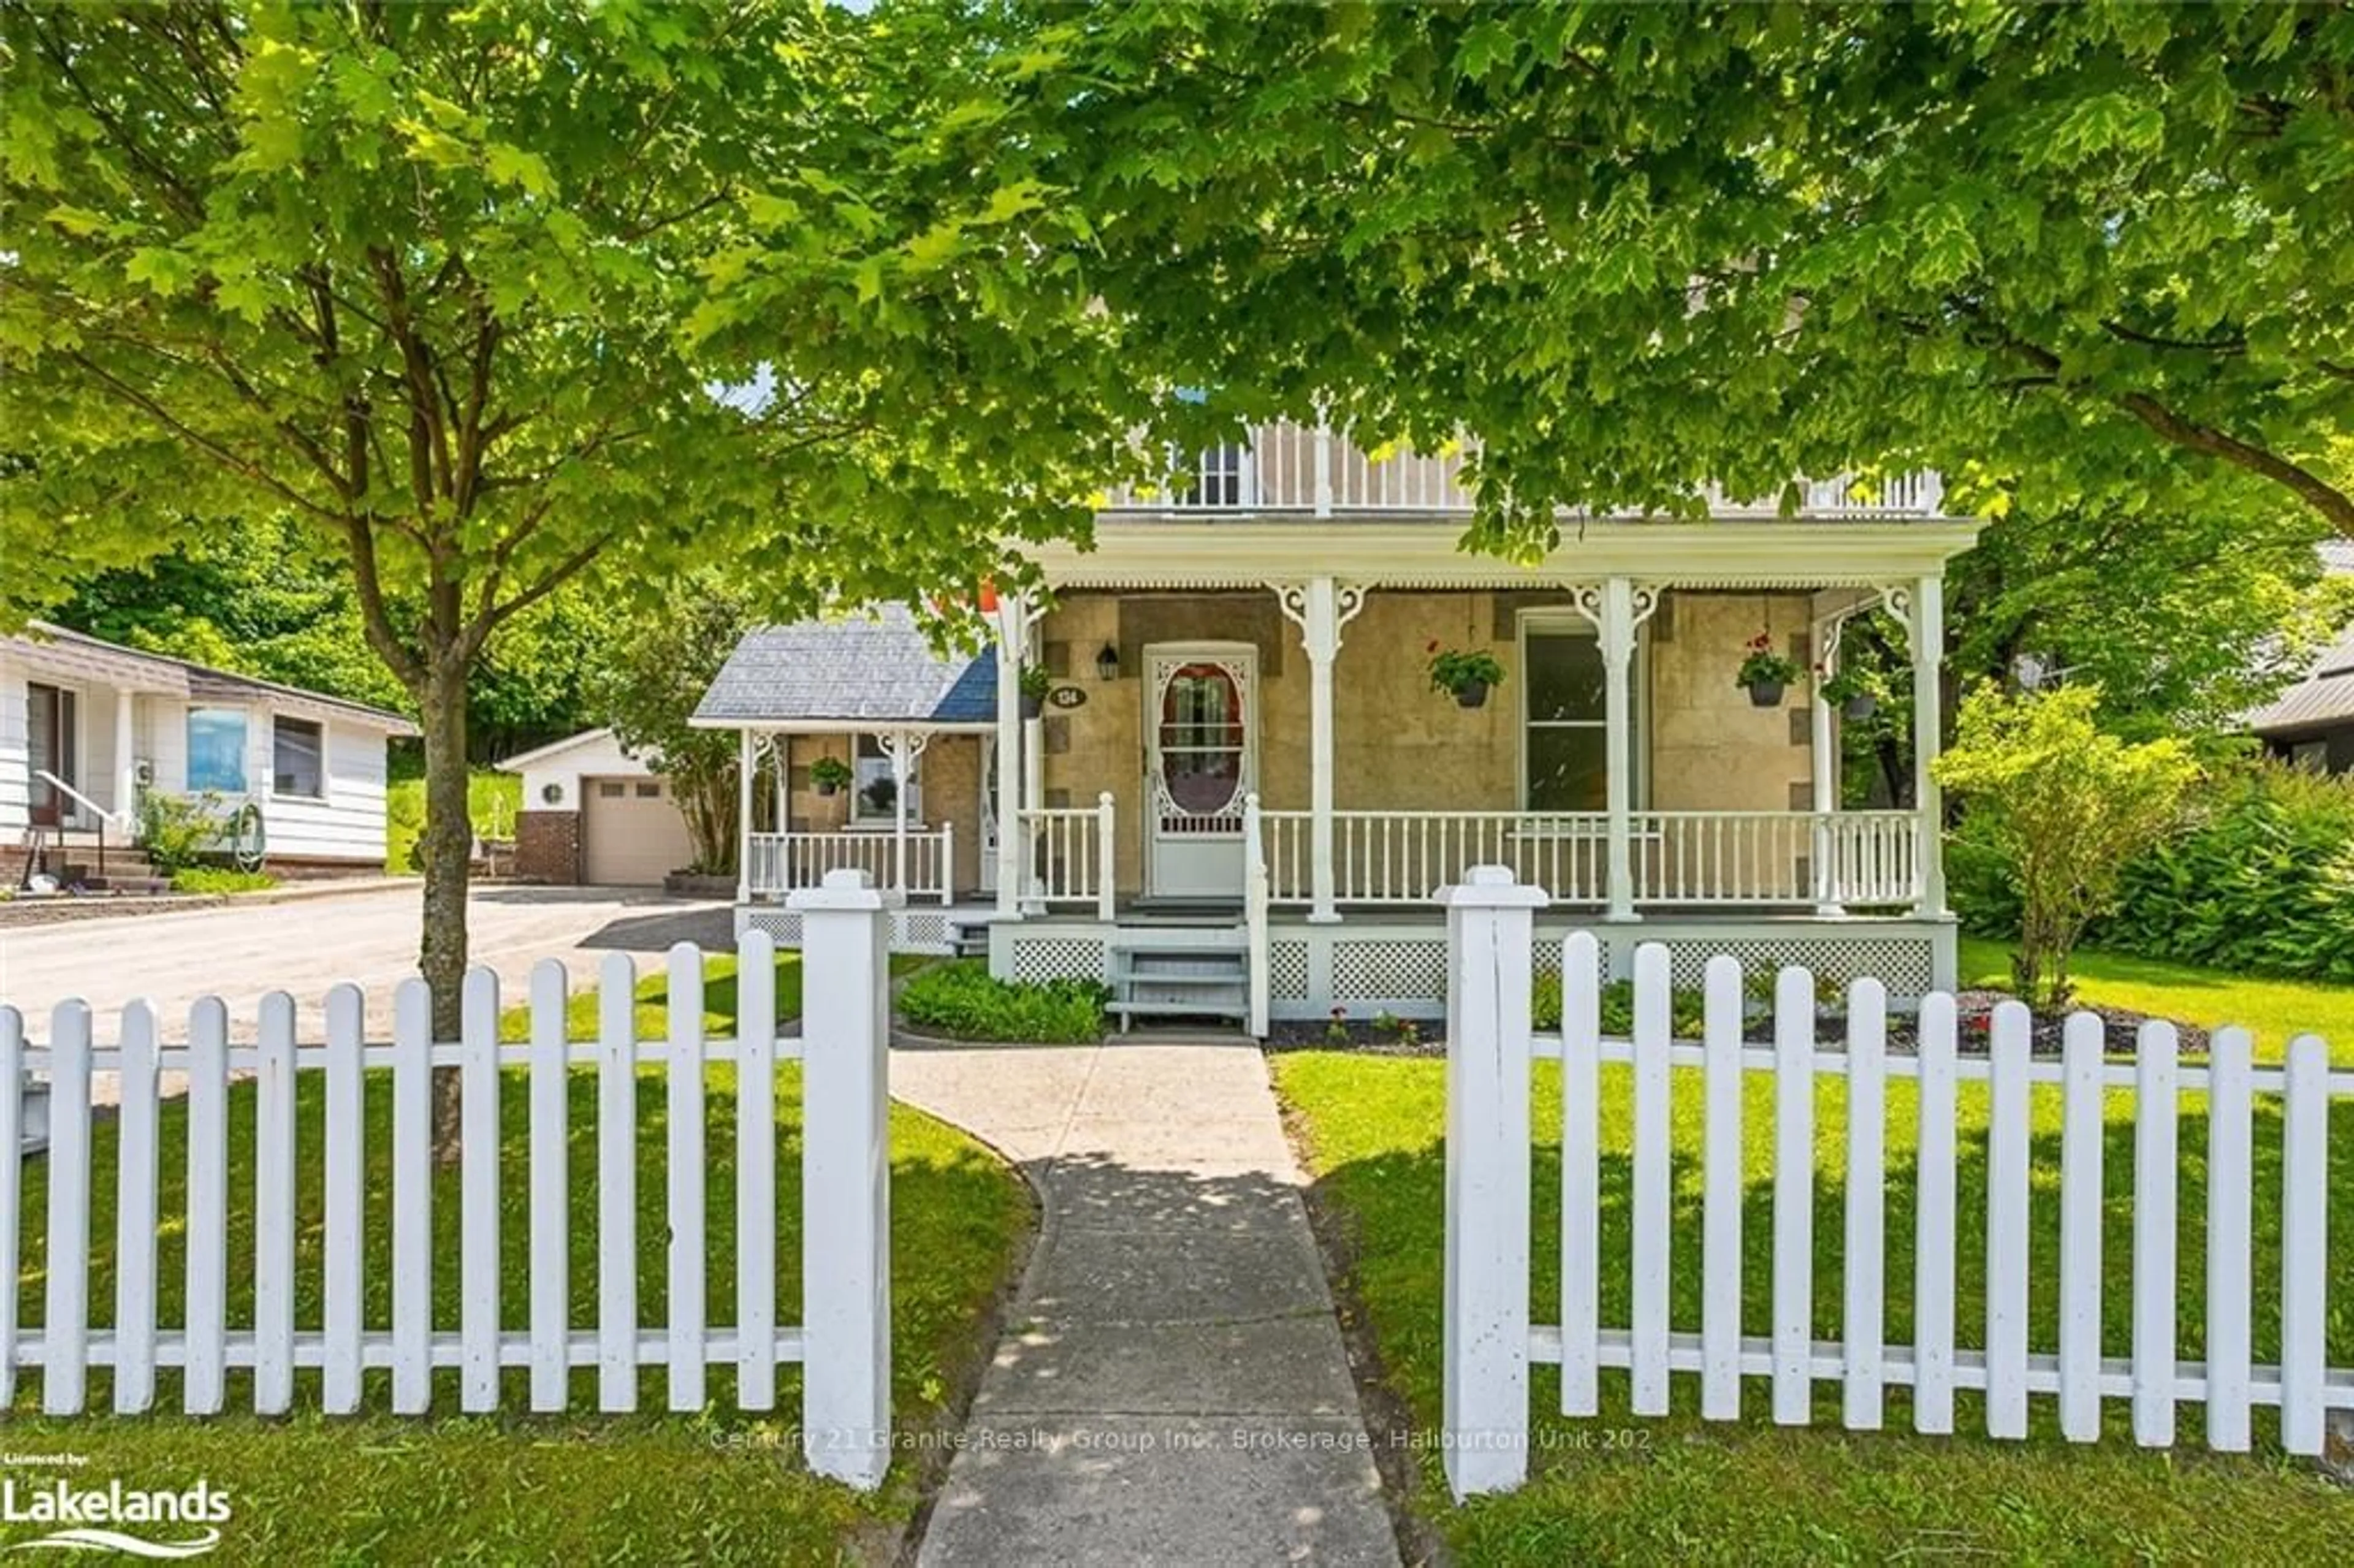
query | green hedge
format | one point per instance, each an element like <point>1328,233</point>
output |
<point>2260,880</point>
<point>962,1000</point>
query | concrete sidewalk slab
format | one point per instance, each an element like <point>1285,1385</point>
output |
<point>1172,1386</point>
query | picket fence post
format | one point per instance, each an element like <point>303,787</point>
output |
<point>1490,922</point>
<point>846,1176</point>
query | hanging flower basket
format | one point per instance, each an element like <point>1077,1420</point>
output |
<point>1857,692</point>
<point>829,774</point>
<point>1467,676</point>
<point>1766,674</point>
<point>1035,684</point>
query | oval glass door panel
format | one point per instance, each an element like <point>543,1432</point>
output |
<point>1201,741</point>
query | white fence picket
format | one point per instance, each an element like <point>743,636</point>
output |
<point>2007,1222</point>
<point>1933,1198</point>
<point>617,1184</point>
<point>2081,1136</point>
<point>204,1384</point>
<point>65,1319</point>
<point>1720,1323</point>
<point>1581,1175</point>
<point>685,1114</point>
<point>1654,1177</point>
<point>478,1192</point>
<point>551,1193</point>
<point>2154,1283</point>
<point>12,1189</point>
<point>1867,1135</point>
<point>135,1215</point>
<point>344,1240</point>
<point>1794,1197</point>
<point>273,1210</point>
<point>2230,1193</point>
<point>2305,1243</point>
<point>756,1172</point>
<point>412,1198</point>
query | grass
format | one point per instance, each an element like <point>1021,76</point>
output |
<point>220,879</point>
<point>714,1486</point>
<point>1676,1489</point>
<point>2275,1011</point>
<point>493,799</point>
<point>653,1008</point>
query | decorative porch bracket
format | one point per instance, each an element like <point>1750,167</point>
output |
<point>1617,606</point>
<point>1322,609</point>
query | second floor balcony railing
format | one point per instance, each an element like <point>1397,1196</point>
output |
<point>1313,470</point>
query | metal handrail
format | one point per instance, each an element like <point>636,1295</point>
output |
<point>117,817</point>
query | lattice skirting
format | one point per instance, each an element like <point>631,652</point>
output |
<point>1287,972</point>
<point>1038,959</point>
<point>912,930</point>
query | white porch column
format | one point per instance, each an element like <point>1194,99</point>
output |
<point>903,747</point>
<point>1320,607</point>
<point>747,755</point>
<point>1824,763</point>
<point>1928,640</point>
<point>126,767</point>
<point>1012,629</point>
<point>1616,624</point>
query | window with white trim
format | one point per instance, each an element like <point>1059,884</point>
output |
<point>298,758</point>
<point>1564,743</point>
<point>216,751</point>
<point>874,792</point>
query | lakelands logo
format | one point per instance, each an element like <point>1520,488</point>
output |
<point>94,1520</point>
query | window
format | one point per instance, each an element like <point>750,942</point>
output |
<point>874,796</point>
<point>216,749</point>
<point>298,751</point>
<point>1221,476</point>
<point>1563,751</point>
<point>612,790</point>
<point>650,790</point>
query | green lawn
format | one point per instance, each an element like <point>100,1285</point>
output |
<point>2276,1009</point>
<point>492,801</point>
<point>1690,1490</point>
<point>653,1011</point>
<point>710,1486</point>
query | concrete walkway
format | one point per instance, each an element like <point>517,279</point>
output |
<point>1172,1386</point>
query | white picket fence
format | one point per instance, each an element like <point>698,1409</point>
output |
<point>1490,1342</point>
<point>842,1342</point>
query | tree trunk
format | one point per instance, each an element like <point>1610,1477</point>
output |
<point>448,854</point>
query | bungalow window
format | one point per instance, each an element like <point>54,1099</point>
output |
<point>298,749</point>
<point>874,796</point>
<point>1563,751</point>
<point>216,751</point>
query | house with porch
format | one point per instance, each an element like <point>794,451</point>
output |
<point>87,727</point>
<point>1230,788</point>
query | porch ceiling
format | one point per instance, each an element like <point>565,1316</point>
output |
<point>1385,553</point>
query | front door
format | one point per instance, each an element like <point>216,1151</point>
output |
<point>1200,759</point>
<point>988,813</point>
<point>49,744</point>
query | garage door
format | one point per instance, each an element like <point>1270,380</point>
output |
<point>632,831</point>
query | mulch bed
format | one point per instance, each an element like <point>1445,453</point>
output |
<point>1975,1008</point>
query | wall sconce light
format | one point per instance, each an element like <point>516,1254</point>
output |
<point>1108,664</point>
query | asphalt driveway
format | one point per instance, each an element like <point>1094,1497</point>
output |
<point>303,947</point>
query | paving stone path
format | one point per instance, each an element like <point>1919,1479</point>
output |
<point>1172,1386</point>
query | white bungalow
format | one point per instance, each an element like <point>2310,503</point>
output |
<point>1241,788</point>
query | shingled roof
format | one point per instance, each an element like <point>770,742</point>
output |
<point>874,669</point>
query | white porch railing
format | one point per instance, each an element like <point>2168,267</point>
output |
<point>1402,857</point>
<point>1806,858</point>
<point>1069,855</point>
<point>1826,858</point>
<point>1287,467</point>
<point>779,864</point>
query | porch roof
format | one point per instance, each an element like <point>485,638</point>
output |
<point>76,655</point>
<point>880,669</point>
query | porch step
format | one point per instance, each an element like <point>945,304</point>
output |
<point>1164,980</point>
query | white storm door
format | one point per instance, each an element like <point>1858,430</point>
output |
<point>1200,759</point>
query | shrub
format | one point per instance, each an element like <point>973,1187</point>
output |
<point>964,1000</point>
<point>2262,881</point>
<point>179,830</point>
<point>220,879</point>
<point>1687,1008</point>
<point>2066,806</point>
